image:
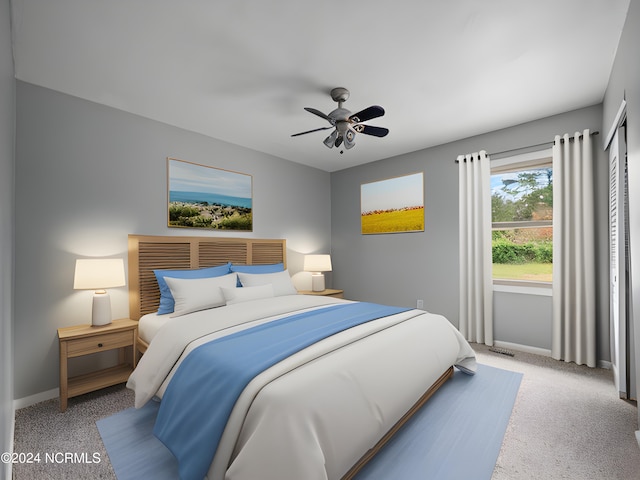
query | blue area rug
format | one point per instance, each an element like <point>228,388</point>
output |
<point>456,435</point>
<point>133,450</point>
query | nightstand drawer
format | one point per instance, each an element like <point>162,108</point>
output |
<point>98,343</point>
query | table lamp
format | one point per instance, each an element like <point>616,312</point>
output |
<point>98,274</point>
<point>317,264</point>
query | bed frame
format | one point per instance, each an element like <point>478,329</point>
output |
<point>147,253</point>
<point>382,442</point>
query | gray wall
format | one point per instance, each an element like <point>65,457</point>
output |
<point>7,121</point>
<point>400,268</point>
<point>87,176</point>
<point>515,313</point>
<point>624,83</point>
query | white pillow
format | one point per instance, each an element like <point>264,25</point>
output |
<point>193,294</point>
<point>245,294</point>
<point>281,281</point>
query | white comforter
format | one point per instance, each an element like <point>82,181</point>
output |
<point>315,414</point>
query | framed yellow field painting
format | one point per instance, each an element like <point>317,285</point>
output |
<point>206,197</point>
<point>394,205</point>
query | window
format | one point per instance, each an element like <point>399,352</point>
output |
<point>522,219</point>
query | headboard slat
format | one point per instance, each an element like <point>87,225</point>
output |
<point>217,253</point>
<point>266,253</point>
<point>148,253</point>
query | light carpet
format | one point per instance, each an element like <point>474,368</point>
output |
<point>457,434</point>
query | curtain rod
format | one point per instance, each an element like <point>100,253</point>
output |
<point>533,146</point>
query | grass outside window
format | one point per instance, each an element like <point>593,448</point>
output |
<point>530,272</point>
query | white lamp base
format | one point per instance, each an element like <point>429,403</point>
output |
<point>101,310</point>
<point>317,282</point>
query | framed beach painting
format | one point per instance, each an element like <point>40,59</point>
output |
<point>394,205</point>
<point>206,197</point>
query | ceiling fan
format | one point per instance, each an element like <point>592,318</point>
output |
<point>347,124</point>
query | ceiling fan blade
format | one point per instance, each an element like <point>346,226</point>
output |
<point>320,114</point>
<point>371,130</point>
<point>330,140</point>
<point>311,131</point>
<point>373,111</point>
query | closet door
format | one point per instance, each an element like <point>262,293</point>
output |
<point>618,261</point>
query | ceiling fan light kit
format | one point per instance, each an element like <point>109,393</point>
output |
<point>346,124</point>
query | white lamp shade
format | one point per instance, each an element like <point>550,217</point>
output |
<point>98,273</point>
<point>317,263</point>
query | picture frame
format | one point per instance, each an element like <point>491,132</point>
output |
<point>205,197</point>
<point>393,205</point>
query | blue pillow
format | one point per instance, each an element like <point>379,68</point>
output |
<point>166,299</point>
<point>270,268</point>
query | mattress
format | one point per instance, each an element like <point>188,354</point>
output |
<point>149,325</point>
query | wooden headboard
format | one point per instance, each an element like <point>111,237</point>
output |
<point>147,253</point>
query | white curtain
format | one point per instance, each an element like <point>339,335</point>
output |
<point>476,285</point>
<point>574,284</point>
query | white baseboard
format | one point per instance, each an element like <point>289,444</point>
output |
<point>638,437</point>
<point>540,351</point>
<point>37,398</point>
<point>523,348</point>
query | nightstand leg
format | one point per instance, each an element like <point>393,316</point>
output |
<point>63,377</point>
<point>134,348</point>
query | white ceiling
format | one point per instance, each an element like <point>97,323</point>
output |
<point>242,70</point>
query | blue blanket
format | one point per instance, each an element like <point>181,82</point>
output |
<point>204,389</point>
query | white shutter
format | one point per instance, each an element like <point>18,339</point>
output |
<point>617,259</point>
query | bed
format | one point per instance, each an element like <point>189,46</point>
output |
<point>316,410</point>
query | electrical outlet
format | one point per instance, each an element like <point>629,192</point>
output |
<point>420,304</point>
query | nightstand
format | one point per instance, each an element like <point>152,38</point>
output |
<point>327,292</point>
<point>80,340</point>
